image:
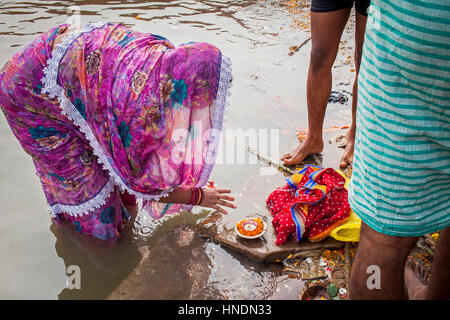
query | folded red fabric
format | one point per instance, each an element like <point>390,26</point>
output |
<point>311,204</point>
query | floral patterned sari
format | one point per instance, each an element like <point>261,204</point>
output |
<point>109,110</point>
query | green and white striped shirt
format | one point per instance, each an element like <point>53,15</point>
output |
<point>401,170</point>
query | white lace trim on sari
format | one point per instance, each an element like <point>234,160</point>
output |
<point>54,90</point>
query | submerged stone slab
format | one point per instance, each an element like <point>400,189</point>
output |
<point>250,201</point>
<point>263,249</point>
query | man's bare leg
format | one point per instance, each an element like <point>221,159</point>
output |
<point>347,158</point>
<point>439,285</point>
<point>388,253</point>
<point>326,32</point>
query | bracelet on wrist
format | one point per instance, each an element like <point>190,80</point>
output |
<point>203,195</point>
<point>200,196</point>
<point>196,195</point>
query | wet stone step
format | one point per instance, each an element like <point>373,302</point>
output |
<point>262,249</point>
<point>250,201</point>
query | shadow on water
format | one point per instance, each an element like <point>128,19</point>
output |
<point>102,266</point>
<point>171,243</point>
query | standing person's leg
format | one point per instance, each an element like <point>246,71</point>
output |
<point>347,158</point>
<point>439,284</point>
<point>326,32</point>
<point>383,253</point>
<point>400,168</point>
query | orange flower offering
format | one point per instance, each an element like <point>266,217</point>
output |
<point>250,227</point>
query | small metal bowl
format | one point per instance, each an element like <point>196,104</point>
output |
<point>250,237</point>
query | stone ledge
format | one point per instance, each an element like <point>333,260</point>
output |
<point>262,249</point>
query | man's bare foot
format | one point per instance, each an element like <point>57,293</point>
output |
<point>308,147</point>
<point>416,279</point>
<point>347,157</point>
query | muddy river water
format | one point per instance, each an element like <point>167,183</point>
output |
<point>268,102</point>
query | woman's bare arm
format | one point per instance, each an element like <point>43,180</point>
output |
<point>212,198</point>
<point>178,195</point>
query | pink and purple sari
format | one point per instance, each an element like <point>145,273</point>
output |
<point>110,110</point>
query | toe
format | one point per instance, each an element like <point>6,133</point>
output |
<point>291,161</point>
<point>344,163</point>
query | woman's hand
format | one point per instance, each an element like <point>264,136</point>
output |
<point>215,198</point>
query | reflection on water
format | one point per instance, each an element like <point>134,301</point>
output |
<point>176,257</point>
<point>102,266</point>
<point>179,263</point>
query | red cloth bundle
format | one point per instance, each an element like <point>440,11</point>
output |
<point>311,204</point>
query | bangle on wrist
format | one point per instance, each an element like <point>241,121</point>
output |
<point>196,196</point>
<point>191,201</point>
<point>202,196</point>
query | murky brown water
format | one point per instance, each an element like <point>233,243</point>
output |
<point>268,93</point>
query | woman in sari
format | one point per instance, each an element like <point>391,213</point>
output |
<point>110,116</point>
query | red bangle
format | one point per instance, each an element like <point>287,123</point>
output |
<point>196,196</point>
<point>192,197</point>
<point>202,196</point>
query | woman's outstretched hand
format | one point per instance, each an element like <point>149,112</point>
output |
<point>216,199</point>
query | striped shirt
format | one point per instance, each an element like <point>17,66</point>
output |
<point>401,170</point>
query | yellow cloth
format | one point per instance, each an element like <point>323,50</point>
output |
<point>349,231</point>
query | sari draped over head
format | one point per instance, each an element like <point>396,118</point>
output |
<point>127,111</point>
